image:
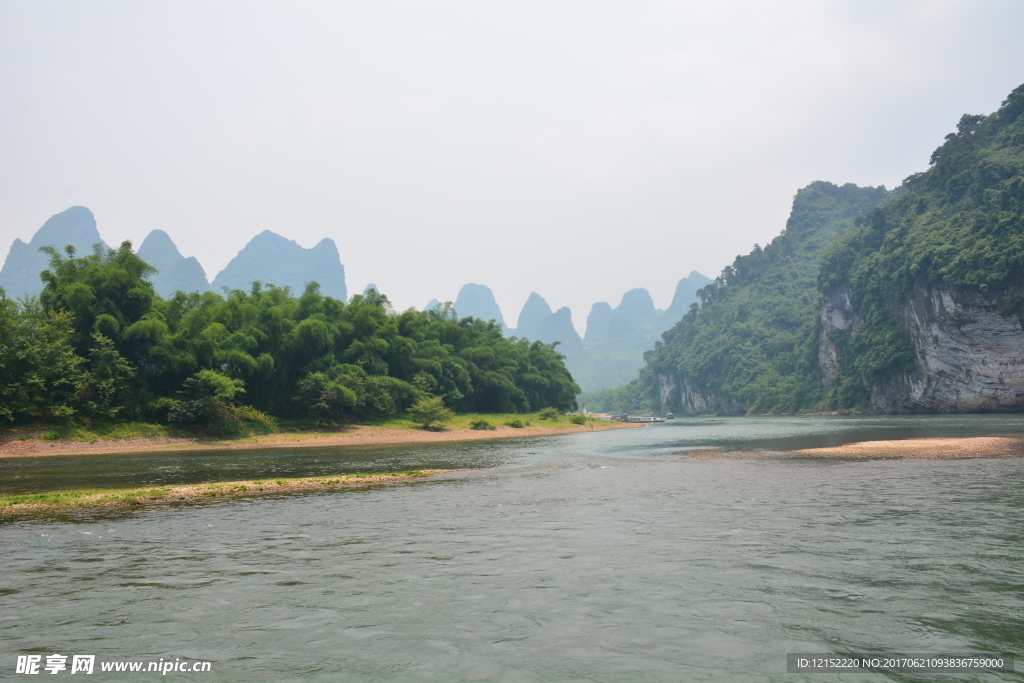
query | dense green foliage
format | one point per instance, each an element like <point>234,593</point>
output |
<point>753,340</point>
<point>99,344</point>
<point>752,345</point>
<point>960,224</point>
<point>636,397</point>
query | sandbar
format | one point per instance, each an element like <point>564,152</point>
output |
<point>931,448</point>
<point>27,504</point>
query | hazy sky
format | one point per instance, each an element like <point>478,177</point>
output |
<point>577,149</point>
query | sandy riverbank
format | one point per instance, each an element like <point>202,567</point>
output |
<point>358,435</point>
<point>922,449</point>
<point>970,447</point>
<point>17,505</point>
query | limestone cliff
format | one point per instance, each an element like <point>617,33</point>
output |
<point>969,355</point>
<point>678,395</point>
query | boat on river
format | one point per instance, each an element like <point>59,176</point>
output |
<point>646,417</point>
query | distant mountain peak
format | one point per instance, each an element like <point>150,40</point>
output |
<point>158,247</point>
<point>272,259</point>
<point>75,226</point>
<point>535,310</point>
<point>174,271</point>
<point>478,301</point>
<point>686,294</point>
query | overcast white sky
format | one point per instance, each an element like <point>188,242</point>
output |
<point>577,149</point>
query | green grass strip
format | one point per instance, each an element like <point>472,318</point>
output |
<point>100,498</point>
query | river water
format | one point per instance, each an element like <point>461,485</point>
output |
<point>611,556</point>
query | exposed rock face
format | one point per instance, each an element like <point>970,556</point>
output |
<point>970,357</point>
<point>175,272</point>
<point>272,259</point>
<point>836,314</point>
<point>75,226</point>
<point>680,397</point>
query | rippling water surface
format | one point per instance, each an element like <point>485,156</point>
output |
<point>593,557</point>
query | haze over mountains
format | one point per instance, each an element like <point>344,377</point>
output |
<point>902,301</point>
<point>175,272</point>
<point>20,274</point>
<point>272,259</point>
<point>268,258</point>
<point>610,353</point>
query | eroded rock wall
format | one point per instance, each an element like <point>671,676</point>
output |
<point>970,356</point>
<point>681,397</point>
<point>836,314</point>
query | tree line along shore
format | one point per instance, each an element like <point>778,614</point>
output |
<point>98,347</point>
<point>101,438</point>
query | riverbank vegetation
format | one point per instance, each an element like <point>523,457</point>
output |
<point>92,432</point>
<point>959,225</point>
<point>42,440</point>
<point>752,345</point>
<point>753,339</point>
<point>98,347</point>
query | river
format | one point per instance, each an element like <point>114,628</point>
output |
<point>610,556</point>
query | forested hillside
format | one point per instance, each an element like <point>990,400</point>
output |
<point>919,306</point>
<point>100,344</point>
<point>957,228</point>
<point>752,342</point>
<point>753,345</point>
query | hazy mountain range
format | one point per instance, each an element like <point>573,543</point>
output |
<point>610,354</point>
<point>75,227</point>
<point>268,258</point>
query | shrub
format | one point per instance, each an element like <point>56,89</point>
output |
<point>549,414</point>
<point>228,421</point>
<point>431,413</point>
<point>515,424</point>
<point>578,420</point>
<point>481,424</point>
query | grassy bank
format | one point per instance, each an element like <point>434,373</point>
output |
<point>114,498</point>
<point>91,432</point>
<point>44,440</point>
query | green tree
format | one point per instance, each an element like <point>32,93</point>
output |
<point>42,377</point>
<point>431,413</point>
<point>325,399</point>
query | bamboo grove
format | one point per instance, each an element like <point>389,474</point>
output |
<point>99,344</point>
